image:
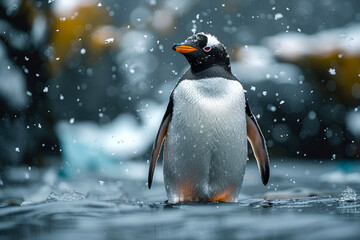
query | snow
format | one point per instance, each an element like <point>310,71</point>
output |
<point>101,182</point>
<point>332,71</point>
<point>68,7</point>
<point>257,63</point>
<point>294,45</point>
<point>278,16</point>
<point>194,27</point>
<point>86,144</point>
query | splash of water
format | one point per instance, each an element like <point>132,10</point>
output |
<point>348,195</point>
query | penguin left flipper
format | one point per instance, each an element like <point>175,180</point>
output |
<point>160,137</point>
<point>258,145</point>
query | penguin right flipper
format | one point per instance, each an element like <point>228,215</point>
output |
<point>160,137</point>
<point>258,145</point>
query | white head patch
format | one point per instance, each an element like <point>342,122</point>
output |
<point>211,40</point>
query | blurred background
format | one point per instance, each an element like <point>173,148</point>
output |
<point>85,83</point>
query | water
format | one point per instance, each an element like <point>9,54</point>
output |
<point>304,200</point>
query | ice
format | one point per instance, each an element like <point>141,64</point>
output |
<point>72,120</point>
<point>348,195</point>
<point>65,197</point>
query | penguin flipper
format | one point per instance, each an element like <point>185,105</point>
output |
<point>160,137</point>
<point>257,141</point>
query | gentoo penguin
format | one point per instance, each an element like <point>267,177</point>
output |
<point>206,126</point>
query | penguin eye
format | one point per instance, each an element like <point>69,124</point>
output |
<point>207,49</point>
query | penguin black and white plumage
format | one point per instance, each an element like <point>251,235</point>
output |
<point>205,128</point>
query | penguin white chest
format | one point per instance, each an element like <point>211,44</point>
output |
<point>206,146</point>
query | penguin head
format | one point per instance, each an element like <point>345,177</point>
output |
<point>203,51</point>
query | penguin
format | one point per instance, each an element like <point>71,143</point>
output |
<point>205,129</point>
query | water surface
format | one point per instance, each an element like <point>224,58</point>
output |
<point>304,200</point>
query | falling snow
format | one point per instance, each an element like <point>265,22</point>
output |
<point>108,40</point>
<point>332,71</point>
<point>278,16</point>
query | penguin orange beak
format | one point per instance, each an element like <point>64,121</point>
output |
<point>183,48</point>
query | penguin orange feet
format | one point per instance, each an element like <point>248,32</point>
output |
<point>224,196</point>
